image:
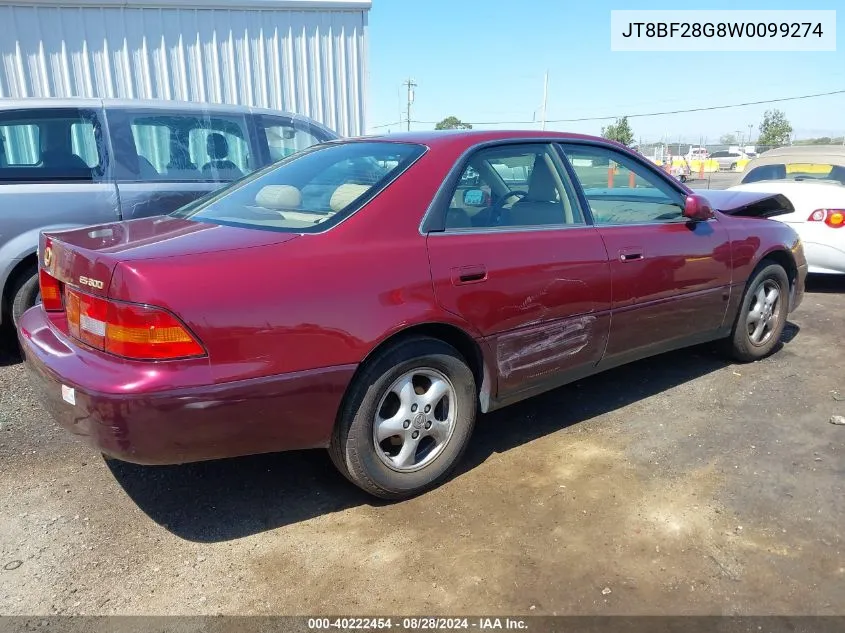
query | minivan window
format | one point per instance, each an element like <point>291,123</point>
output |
<point>51,145</point>
<point>285,137</point>
<point>310,191</point>
<point>172,145</point>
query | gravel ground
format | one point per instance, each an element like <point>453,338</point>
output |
<point>677,485</point>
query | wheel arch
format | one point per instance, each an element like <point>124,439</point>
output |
<point>466,345</point>
<point>11,280</point>
<point>782,257</point>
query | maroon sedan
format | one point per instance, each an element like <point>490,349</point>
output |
<point>371,295</point>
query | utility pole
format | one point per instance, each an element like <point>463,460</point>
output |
<point>410,85</point>
<point>545,97</point>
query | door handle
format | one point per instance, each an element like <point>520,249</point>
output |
<point>631,254</point>
<point>469,274</point>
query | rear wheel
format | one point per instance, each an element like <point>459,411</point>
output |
<point>762,315</point>
<point>407,419</point>
<point>24,293</point>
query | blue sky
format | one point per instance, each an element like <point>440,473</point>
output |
<point>484,60</point>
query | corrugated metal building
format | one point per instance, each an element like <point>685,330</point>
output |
<point>303,56</point>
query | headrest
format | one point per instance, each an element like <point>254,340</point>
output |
<point>541,184</point>
<point>217,146</point>
<point>345,194</point>
<point>279,197</point>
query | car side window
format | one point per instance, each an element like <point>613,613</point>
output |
<point>176,146</point>
<point>620,190</point>
<point>523,185</point>
<point>285,136</point>
<point>56,145</point>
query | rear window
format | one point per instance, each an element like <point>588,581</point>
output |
<point>797,172</point>
<point>311,190</point>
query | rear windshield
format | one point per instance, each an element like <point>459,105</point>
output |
<point>797,172</point>
<point>309,191</point>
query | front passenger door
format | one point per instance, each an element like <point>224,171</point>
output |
<point>668,285</point>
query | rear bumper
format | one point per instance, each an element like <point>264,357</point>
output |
<point>178,425</point>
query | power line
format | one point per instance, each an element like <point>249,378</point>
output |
<point>646,114</point>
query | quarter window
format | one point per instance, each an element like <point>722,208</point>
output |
<point>620,190</point>
<point>513,186</point>
<point>285,136</point>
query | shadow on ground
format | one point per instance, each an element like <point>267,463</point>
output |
<point>228,499</point>
<point>826,283</point>
<point>10,352</point>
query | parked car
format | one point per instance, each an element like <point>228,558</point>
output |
<point>813,178</point>
<point>697,153</point>
<point>727,160</point>
<point>73,162</point>
<point>358,297</point>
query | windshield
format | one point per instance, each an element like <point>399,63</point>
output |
<point>797,172</point>
<point>309,191</point>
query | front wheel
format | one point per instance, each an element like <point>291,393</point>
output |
<point>407,419</point>
<point>762,315</point>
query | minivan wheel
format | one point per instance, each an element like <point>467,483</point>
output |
<point>25,293</point>
<point>406,420</point>
<point>762,315</point>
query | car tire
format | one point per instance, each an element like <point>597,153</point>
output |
<point>765,305</point>
<point>733,167</point>
<point>399,390</point>
<point>24,293</point>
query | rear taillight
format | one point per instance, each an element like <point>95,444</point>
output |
<point>128,330</point>
<point>51,291</point>
<point>834,218</point>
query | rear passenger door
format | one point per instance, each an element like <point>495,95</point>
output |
<point>166,158</point>
<point>54,172</point>
<point>512,254</point>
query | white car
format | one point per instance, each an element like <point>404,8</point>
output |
<point>813,178</point>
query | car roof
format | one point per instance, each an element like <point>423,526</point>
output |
<point>469,138</point>
<point>146,104</point>
<point>830,154</point>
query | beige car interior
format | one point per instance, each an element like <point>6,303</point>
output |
<point>286,200</point>
<point>545,203</point>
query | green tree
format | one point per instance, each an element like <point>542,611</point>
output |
<point>452,123</point>
<point>728,139</point>
<point>619,131</point>
<point>775,129</point>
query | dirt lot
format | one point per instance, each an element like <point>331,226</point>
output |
<point>680,485</point>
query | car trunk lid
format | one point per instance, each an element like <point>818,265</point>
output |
<point>86,257</point>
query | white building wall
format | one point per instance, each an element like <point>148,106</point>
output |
<point>303,56</point>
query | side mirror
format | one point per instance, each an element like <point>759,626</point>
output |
<point>697,209</point>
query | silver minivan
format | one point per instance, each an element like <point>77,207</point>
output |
<point>74,162</point>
